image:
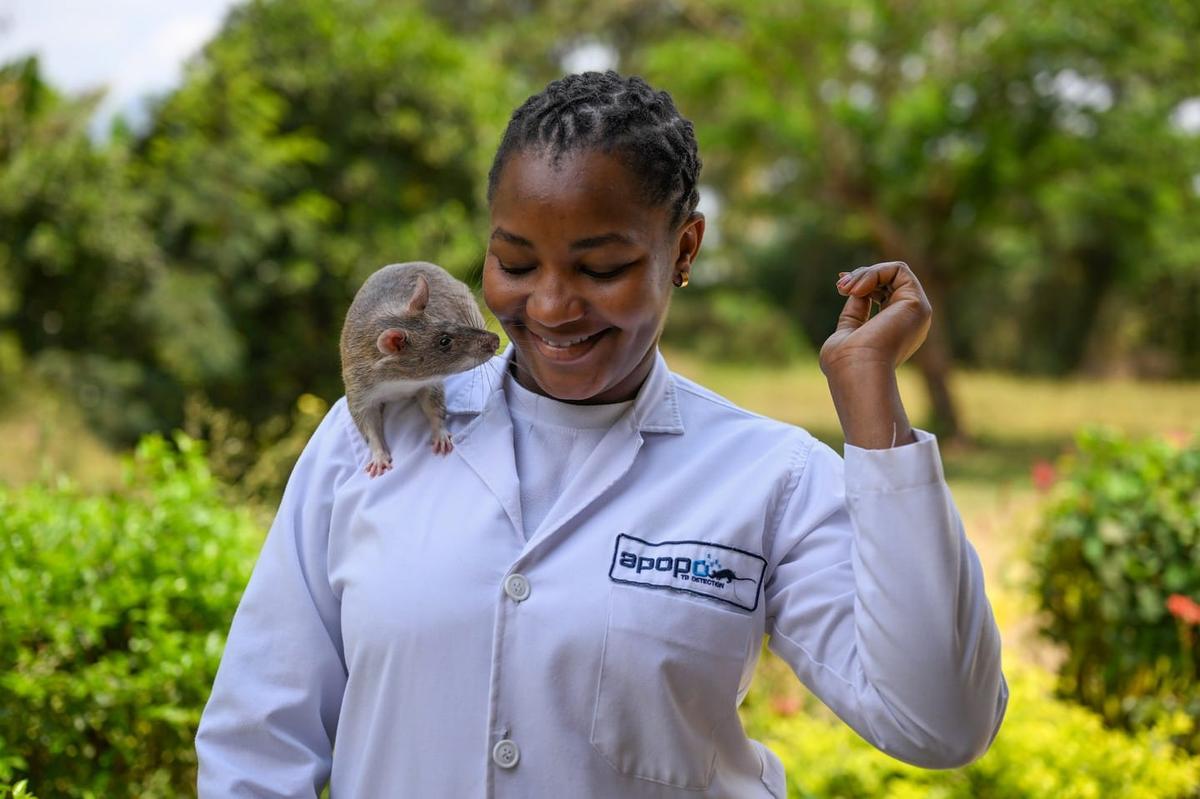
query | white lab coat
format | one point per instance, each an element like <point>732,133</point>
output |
<point>384,614</point>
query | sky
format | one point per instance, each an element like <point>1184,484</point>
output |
<point>134,47</point>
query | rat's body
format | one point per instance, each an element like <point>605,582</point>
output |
<point>410,326</point>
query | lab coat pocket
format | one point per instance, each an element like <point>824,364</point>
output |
<point>668,677</point>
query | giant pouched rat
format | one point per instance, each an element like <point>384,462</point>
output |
<point>409,326</point>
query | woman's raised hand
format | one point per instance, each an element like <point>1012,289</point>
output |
<point>890,337</point>
<point>860,358</point>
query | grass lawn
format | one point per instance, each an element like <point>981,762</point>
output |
<point>45,436</point>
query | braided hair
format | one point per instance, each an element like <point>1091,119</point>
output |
<point>614,114</point>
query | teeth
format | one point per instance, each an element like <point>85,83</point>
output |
<point>562,345</point>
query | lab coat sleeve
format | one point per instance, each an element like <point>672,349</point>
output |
<point>876,600</point>
<point>268,727</point>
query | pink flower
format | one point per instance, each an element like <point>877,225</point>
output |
<point>1178,438</point>
<point>1044,475</point>
<point>784,705</point>
<point>1184,608</point>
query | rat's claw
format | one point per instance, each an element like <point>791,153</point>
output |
<point>378,466</point>
<point>442,445</point>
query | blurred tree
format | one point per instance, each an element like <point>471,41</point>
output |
<point>76,257</point>
<point>312,142</point>
<point>1018,155</point>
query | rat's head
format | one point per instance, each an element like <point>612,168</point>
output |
<point>593,222</point>
<point>415,346</point>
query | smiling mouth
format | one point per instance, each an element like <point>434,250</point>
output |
<point>565,349</point>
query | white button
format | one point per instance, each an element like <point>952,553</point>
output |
<point>505,753</point>
<point>517,587</point>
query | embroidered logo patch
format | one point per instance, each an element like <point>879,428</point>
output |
<point>698,567</point>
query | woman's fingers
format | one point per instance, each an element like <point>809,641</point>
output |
<point>887,277</point>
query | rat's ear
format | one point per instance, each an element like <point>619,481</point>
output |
<point>420,297</point>
<point>391,341</point>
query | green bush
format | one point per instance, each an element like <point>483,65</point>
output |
<point>731,325</point>
<point>1119,537</point>
<point>19,790</point>
<point>10,786</point>
<point>113,612</point>
<point>1046,749</point>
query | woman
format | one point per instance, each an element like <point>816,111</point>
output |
<point>572,602</point>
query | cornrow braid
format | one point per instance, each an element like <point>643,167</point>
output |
<point>614,114</point>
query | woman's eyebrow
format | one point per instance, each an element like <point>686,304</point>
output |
<point>600,241</point>
<point>582,244</point>
<point>511,238</point>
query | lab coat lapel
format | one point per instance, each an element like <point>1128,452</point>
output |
<point>655,411</point>
<point>486,443</point>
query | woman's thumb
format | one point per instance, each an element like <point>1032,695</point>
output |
<point>854,313</point>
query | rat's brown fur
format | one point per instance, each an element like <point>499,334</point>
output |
<point>409,326</point>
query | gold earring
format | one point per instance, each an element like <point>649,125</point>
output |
<point>681,279</point>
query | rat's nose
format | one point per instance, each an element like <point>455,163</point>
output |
<point>492,342</point>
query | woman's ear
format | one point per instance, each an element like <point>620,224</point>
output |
<point>691,233</point>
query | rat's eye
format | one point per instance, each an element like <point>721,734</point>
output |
<point>444,341</point>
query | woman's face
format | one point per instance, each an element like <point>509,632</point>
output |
<point>579,272</point>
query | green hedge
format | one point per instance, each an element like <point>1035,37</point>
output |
<point>1120,537</point>
<point>18,790</point>
<point>1046,749</point>
<point>113,612</point>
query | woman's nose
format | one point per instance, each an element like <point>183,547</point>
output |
<point>553,302</point>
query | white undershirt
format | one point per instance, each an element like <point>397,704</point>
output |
<point>551,440</point>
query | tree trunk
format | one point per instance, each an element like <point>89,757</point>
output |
<point>934,358</point>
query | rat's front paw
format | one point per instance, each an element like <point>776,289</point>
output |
<point>379,465</point>
<point>442,445</point>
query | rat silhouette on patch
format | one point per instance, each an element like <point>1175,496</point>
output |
<point>729,576</point>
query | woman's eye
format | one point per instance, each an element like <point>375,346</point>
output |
<point>513,270</point>
<point>607,272</point>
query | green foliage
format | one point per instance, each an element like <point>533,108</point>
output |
<point>311,142</point>
<point>10,787</point>
<point>725,324</point>
<point>18,790</point>
<point>255,461</point>
<point>1046,749</point>
<point>76,257</point>
<point>1019,155</point>
<point>113,610</point>
<point>1119,536</point>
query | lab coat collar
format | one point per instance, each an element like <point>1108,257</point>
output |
<point>655,408</point>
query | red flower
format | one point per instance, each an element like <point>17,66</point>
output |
<point>1184,608</point>
<point>1044,475</point>
<point>1178,438</point>
<point>785,705</point>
